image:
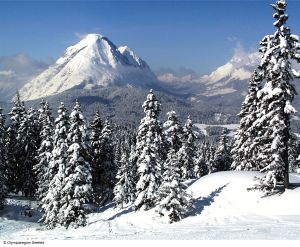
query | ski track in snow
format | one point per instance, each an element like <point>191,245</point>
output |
<point>224,209</point>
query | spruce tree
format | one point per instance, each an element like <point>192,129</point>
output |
<point>14,165</point>
<point>60,142</point>
<point>132,160</point>
<point>57,169</point>
<point>222,157</point>
<point>108,169</point>
<point>96,128</point>
<point>293,153</point>
<point>244,151</point>
<point>172,132</point>
<point>211,158</point>
<point>173,201</point>
<point>77,184</point>
<point>124,189</point>
<point>187,151</point>
<point>27,145</point>
<point>3,159</point>
<point>201,162</point>
<point>147,151</point>
<point>278,52</point>
<point>44,156</point>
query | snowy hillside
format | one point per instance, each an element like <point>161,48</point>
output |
<point>224,209</point>
<point>94,61</point>
<point>230,127</point>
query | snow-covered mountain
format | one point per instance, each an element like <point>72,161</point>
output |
<point>94,61</point>
<point>232,76</point>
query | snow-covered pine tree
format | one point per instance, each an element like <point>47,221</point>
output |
<point>147,151</point>
<point>96,128</point>
<point>3,167</point>
<point>187,151</point>
<point>27,145</point>
<point>278,52</point>
<point>108,169</point>
<point>222,157</point>
<point>244,148</point>
<point>14,165</point>
<point>132,159</point>
<point>57,169</point>
<point>172,132</point>
<point>124,189</point>
<point>77,184</point>
<point>60,142</point>
<point>44,156</point>
<point>211,158</point>
<point>172,197</point>
<point>293,153</point>
<point>201,162</point>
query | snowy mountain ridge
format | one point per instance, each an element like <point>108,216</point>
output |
<point>231,76</point>
<point>226,79</point>
<point>94,61</point>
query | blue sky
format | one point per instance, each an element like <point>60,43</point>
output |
<point>200,35</point>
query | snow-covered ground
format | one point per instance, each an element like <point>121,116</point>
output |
<point>231,128</point>
<point>224,209</point>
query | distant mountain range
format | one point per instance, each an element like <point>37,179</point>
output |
<point>116,80</point>
<point>96,62</point>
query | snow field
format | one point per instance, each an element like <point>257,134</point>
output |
<point>223,209</point>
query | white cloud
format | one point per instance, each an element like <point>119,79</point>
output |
<point>171,78</point>
<point>239,67</point>
<point>80,35</point>
<point>15,71</point>
<point>181,75</point>
<point>7,73</point>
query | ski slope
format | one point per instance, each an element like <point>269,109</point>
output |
<point>223,209</point>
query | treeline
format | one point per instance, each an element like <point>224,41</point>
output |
<point>66,162</point>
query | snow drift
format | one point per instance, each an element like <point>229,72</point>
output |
<point>223,209</point>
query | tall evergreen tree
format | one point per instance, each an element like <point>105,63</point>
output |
<point>172,197</point>
<point>244,149</point>
<point>172,131</point>
<point>77,184</point>
<point>27,145</point>
<point>201,162</point>
<point>147,151</point>
<point>96,128</point>
<point>14,165</point>
<point>108,169</point>
<point>187,151</point>
<point>222,157</point>
<point>124,189</point>
<point>278,52</point>
<point>3,159</point>
<point>45,150</point>
<point>60,142</point>
<point>293,153</point>
<point>57,169</point>
<point>211,158</point>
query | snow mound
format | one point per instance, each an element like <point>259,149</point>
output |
<point>223,209</point>
<point>94,61</point>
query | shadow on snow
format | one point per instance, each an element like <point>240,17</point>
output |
<point>202,202</point>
